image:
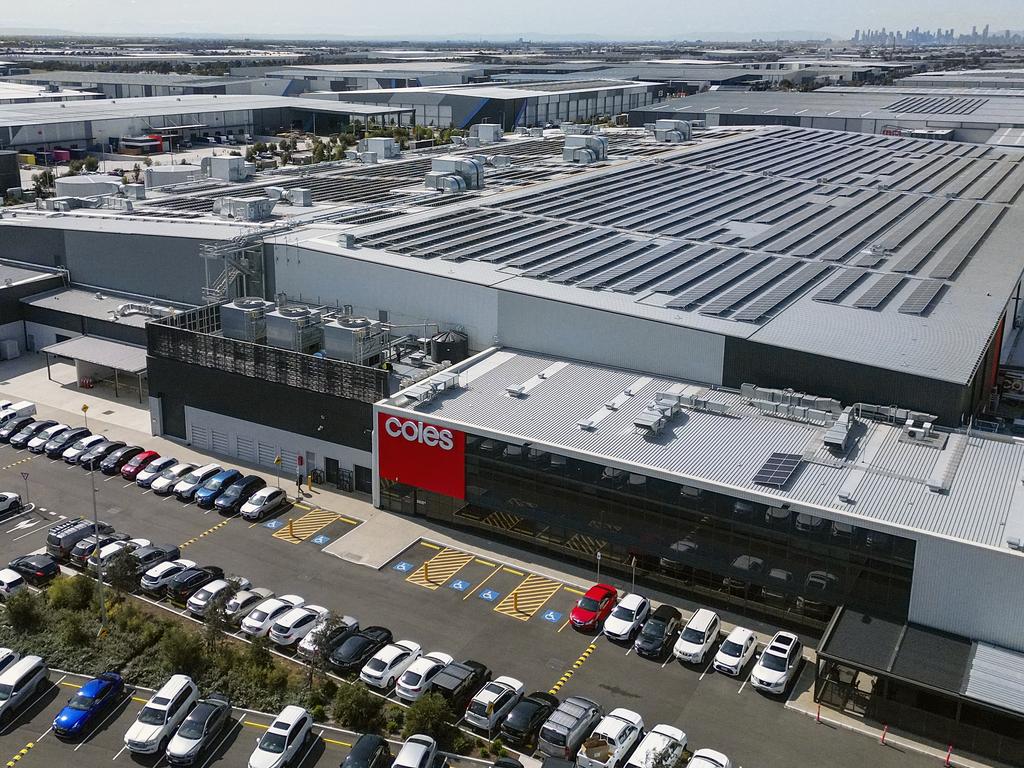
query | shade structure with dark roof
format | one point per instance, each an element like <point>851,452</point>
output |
<point>102,354</point>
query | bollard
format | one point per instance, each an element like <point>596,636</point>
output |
<point>949,756</point>
<point>426,571</point>
<point>817,717</point>
<point>291,531</point>
<point>309,482</point>
<point>885,732</point>
<point>515,602</point>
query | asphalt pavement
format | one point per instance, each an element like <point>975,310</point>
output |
<point>462,603</point>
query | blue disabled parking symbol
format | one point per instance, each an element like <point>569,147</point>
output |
<point>459,585</point>
<point>552,616</point>
<point>489,595</point>
<point>273,524</point>
<point>320,539</point>
<point>402,566</point>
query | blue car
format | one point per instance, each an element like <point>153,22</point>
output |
<point>215,486</point>
<point>88,705</point>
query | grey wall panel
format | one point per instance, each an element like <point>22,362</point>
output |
<point>585,333</point>
<point>969,591</point>
<point>408,297</point>
<point>36,246</point>
<point>162,267</point>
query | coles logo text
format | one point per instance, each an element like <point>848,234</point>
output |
<point>418,432</point>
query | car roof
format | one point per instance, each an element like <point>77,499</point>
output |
<point>288,716</point>
<point>665,611</point>
<point>600,590</point>
<point>701,619</point>
<point>94,686</point>
<point>632,600</point>
<point>174,684</point>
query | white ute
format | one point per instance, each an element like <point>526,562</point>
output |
<point>612,740</point>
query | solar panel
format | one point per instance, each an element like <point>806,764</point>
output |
<point>839,284</point>
<point>977,227</point>
<point>778,469</point>
<point>921,297</point>
<point>697,271</point>
<point>642,261</point>
<point>751,285</point>
<point>777,294</point>
<point>624,251</point>
<point>716,281</point>
<point>878,292</point>
<point>663,268</point>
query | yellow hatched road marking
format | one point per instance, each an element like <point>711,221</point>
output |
<point>526,599</point>
<point>205,533</point>
<point>306,526</point>
<point>438,569</point>
<point>567,675</point>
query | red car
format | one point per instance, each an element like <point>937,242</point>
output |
<point>593,608</point>
<point>138,463</point>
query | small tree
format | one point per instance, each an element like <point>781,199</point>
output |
<point>121,573</point>
<point>92,164</point>
<point>321,641</point>
<point>358,709</point>
<point>431,715</point>
<point>74,594</point>
<point>24,611</point>
<point>216,623</point>
<point>181,650</point>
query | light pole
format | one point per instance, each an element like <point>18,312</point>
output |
<point>24,476</point>
<point>96,551</point>
<point>633,566</point>
<point>598,567</point>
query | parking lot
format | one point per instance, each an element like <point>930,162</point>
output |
<point>447,599</point>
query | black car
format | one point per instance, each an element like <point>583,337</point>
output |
<point>92,458</point>
<point>459,682</point>
<point>14,426</point>
<point>116,459</point>
<point>199,731</point>
<point>506,762</point>
<point>231,501</point>
<point>658,632</point>
<point>369,751</point>
<point>337,632</point>
<point>190,580</point>
<point>358,649</point>
<point>83,550</point>
<point>55,447</point>
<point>35,569</point>
<point>20,439</point>
<point>522,723</point>
<point>146,557</point>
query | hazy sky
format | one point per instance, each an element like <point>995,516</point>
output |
<point>613,19</point>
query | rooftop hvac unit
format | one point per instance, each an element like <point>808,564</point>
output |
<point>355,340</point>
<point>455,174</point>
<point>244,209</point>
<point>245,319</point>
<point>672,131</point>
<point>487,133</point>
<point>585,149</point>
<point>296,328</point>
<point>383,146</point>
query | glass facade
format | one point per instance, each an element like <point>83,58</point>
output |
<point>763,559</point>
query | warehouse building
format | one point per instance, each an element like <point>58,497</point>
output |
<point>18,93</point>
<point>967,78</point>
<point>124,85</point>
<point>363,77</point>
<point>512,106</point>
<point>959,115</point>
<point>106,122</point>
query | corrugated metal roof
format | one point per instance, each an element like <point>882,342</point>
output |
<point>996,677</point>
<point>705,449</point>
<point>93,349</point>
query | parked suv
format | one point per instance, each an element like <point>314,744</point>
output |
<point>495,700</point>
<point>459,681</point>
<point>56,446</point>
<point>161,716</point>
<point>61,538</point>
<point>568,727</point>
<point>658,631</point>
<point>185,489</point>
<point>522,722</point>
<point>697,637</point>
<point>239,492</point>
<point>85,548</point>
<point>20,681</point>
<point>282,742</point>
<point>208,492</point>
<point>778,663</point>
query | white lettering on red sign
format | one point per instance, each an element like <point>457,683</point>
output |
<point>418,432</point>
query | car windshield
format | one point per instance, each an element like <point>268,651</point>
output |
<point>80,444</point>
<point>626,614</point>
<point>273,743</point>
<point>192,728</point>
<point>551,736</point>
<point>375,665</point>
<point>152,716</point>
<point>729,648</point>
<point>692,635</point>
<point>214,484</point>
<point>588,604</point>
<point>5,692</point>
<point>258,615</point>
<point>653,628</point>
<point>82,702</point>
<point>411,678</point>
<point>192,477</point>
<point>773,662</point>
<point>232,492</point>
<point>168,473</point>
<point>478,708</point>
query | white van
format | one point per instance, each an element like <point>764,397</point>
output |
<point>14,410</point>
<point>19,683</point>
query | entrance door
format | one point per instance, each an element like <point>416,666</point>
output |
<point>364,479</point>
<point>331,471</point>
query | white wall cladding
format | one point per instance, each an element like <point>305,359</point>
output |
<point>970,591</point>
<point>584,333</point>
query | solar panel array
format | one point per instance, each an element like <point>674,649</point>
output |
<point>950,105</point>
<point>778,469</point>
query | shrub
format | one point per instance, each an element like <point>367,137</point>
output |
<point>431,715</point>
<point>73,631</point>
<point>73,594</point>
<point>24,611</point>
<point>394,719</point>
<point>358,709</point>
<point>181,651</point>
<point>121,573</point>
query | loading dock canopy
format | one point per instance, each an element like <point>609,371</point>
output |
<point>102,353</point>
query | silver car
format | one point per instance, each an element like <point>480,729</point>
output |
<point>199,730</point>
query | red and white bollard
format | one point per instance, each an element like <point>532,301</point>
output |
<point>817,717</point>
<point>885,732</point>
<point>949,756</point>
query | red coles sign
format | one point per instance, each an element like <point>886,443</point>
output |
<point>423,455</point>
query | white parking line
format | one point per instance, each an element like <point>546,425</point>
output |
<point>745,682</point>
<point>109,478</point>
<point>310,748</point>
<point>148,490</point>
<point>706,670</point>
<point>127,484</point>
<point>122,749</point>
<point>167,498</point>
<point>43,734</point>
<point>34,530</point>
<point>668,661</point>
<point>15,517</point>
<point>103,722</point>
<point>216,749</point>
<point>629,650</point>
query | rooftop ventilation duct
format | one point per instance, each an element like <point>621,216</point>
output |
<point>672,131</point>
<point>452,173</point>
<point>486,133</point>
<point>585,149</point>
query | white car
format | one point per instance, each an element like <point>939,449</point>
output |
<point>619,730</point>
<point>389,663</point>
<point>418,678</point>
<point>261,618</point>
<point>493,702</point>
<point>338,631</point>
<point>735,651</point>
<point>169,477</point>
<point>709,758</point>
<point>263,502</point>
<point>11,582</point>
<point>37,442</point>
<point>203,598</point>
<point>697,637</point>
<point>109,551</point>
<point>10,504</point>
<point>152,471</point>
<point>419,751</point>
<point>185,489</point>
<point>74,452</point>
<point>296,624</point>
<point>777,664</point>
<point>282,743</point>
<point>664,745</point>
<point>156,579</point>
<point>160,717</point>
<point>625,619</point>
<point>244,601</point>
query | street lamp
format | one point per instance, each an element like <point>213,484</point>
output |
<point>598,567</point>
<point>96,534</point>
